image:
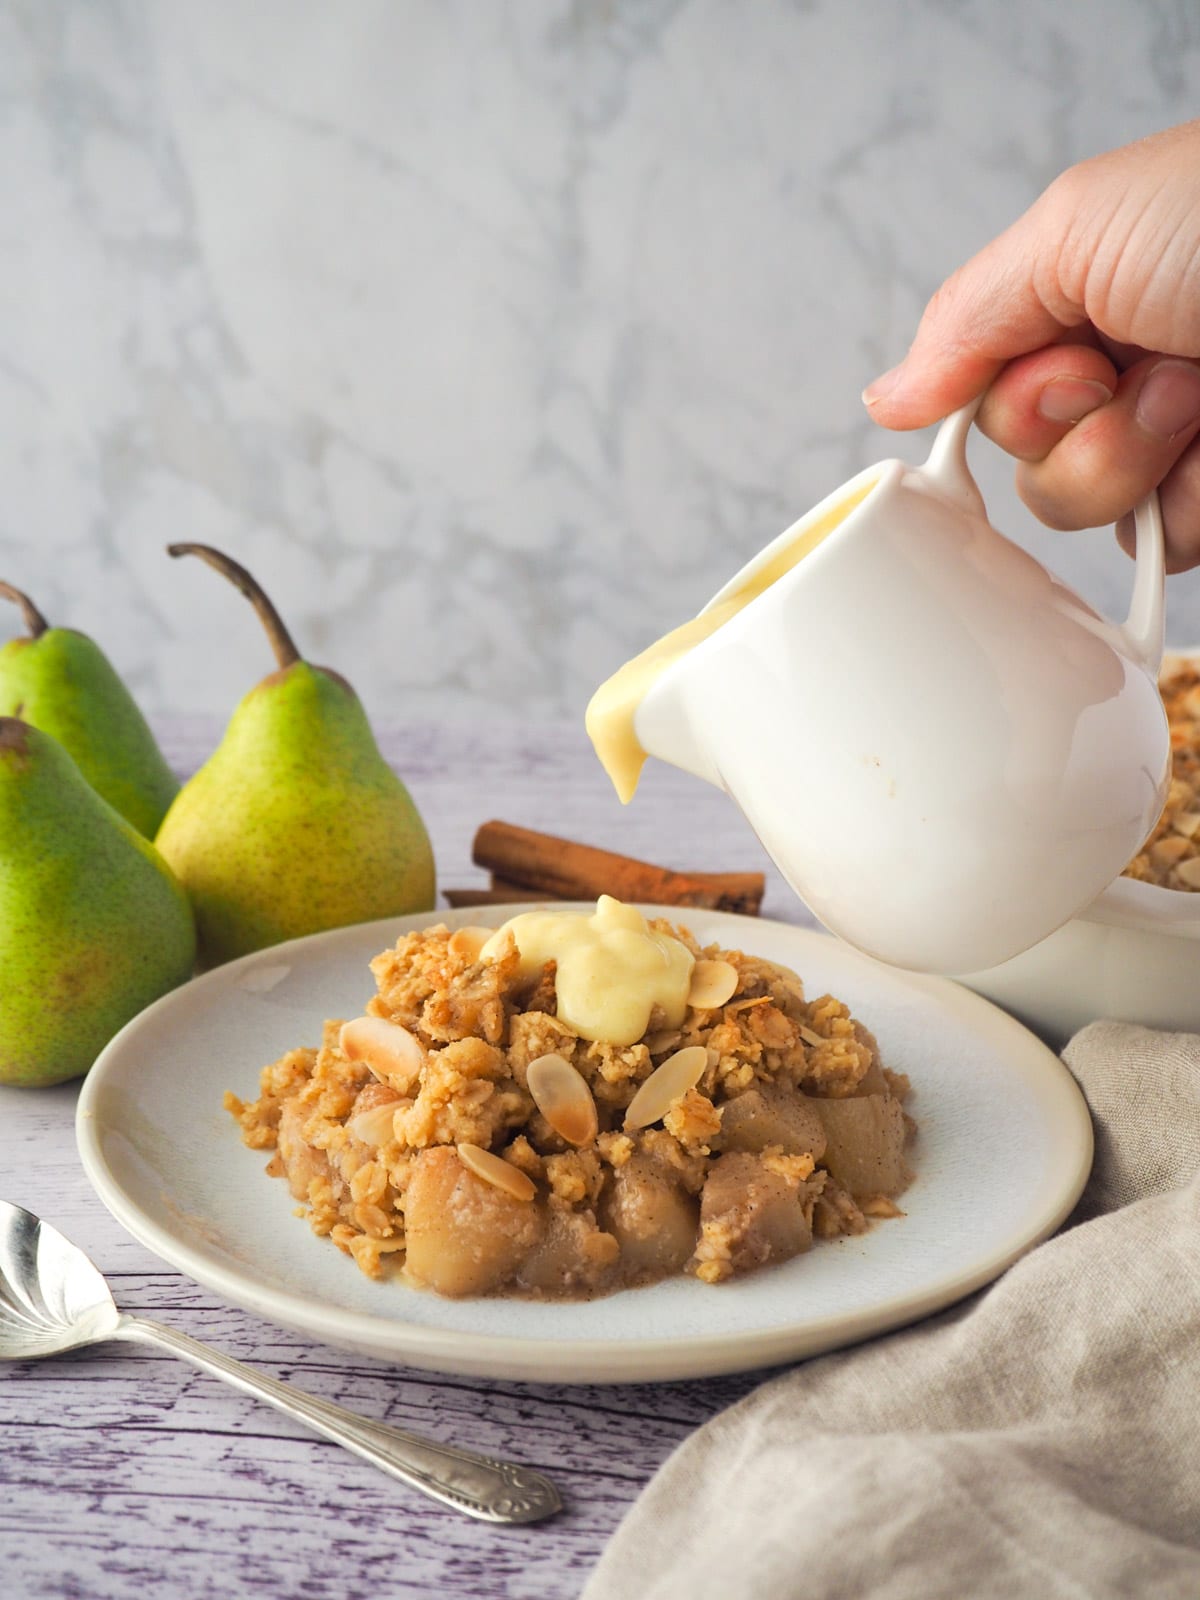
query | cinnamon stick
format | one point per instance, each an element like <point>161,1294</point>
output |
<point>514,891</point>
<point>511,896</point>
<point>563,869</point>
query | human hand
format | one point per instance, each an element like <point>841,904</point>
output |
<point>1082,324</point>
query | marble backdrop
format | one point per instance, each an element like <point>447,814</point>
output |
<point>494,336</point>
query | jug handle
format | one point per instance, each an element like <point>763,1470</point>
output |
<point>947,463</point>
<point>1143,629</point>
<point>1144,626</point>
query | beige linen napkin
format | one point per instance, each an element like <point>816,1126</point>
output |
<point>1042,1439</point>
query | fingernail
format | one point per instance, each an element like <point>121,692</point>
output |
<point>1169,400</point>
<point>881,388</point>
<point>1070,399</point>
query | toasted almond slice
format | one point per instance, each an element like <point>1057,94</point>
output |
<point>809,1035</point>
<point>713,982</point>
<point>563,1097</point>
<point>374,1126</point>
<point>500,941</point>
<point>879,1205</point>
<point>665,1085</point>
<point>495,1170</point>
<point>393,1054</point>
<point>1169,852</point>
<point>469,941</point>
<point>659,1043</point>
<point>1189,872</point>
<point>1187,823</point>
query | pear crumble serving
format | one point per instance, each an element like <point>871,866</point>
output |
<point>1171,855</point>
<point>574,1104</point>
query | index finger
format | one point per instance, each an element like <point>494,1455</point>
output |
<point>1001,304</point>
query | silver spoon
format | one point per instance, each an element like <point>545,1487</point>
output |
<point>53,1299</point>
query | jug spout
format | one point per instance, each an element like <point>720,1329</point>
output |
<point>669,727</point>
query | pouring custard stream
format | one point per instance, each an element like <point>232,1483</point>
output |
<point>610,715</point>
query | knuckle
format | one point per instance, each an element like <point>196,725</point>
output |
<point>998,422</point>
<point>1065,506</point>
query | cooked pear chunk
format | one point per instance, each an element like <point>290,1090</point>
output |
<point>652,1217</point>
<point>463,1235</point>
<point>573,1257</point>
<point>770,1115</point>
<point>865,1143</point>
<point>752,1215</point>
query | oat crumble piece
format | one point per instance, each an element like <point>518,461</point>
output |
<point>1170,857</point>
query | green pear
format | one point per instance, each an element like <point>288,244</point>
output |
<point>295,823</point>
<point>62,682</point>
<point>93,925</point>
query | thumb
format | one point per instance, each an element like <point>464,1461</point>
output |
<point>999,305</point>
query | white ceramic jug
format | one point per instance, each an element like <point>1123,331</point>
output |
<point>945,750</point>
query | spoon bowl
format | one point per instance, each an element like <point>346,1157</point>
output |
<point>53,1299</point>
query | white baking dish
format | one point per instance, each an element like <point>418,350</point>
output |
<point>1133,955</point>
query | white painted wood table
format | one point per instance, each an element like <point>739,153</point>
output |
<point>126,1474</point>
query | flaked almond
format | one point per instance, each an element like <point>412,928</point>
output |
<point>495,1170</point>
<point>374,1125</point>
<point>1186,823</point>
<point>659,1043</point>
<point>1169,852</point>
<point>1189,872</point>
<point>468,942</point>
<point>713,982</point>
<point>393,1054</point>
<point>499,942</point>
<point>563,1097</point>
<point>665,1085</point>
<point>879,1205</point>
<point>809,1035</point>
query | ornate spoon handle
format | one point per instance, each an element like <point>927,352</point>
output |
<point>481,1486</point>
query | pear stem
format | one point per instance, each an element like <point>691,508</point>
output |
<point>281,640</point>
<point>34,620</point>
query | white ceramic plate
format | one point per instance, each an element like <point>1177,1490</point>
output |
<point>1004,1149</point>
